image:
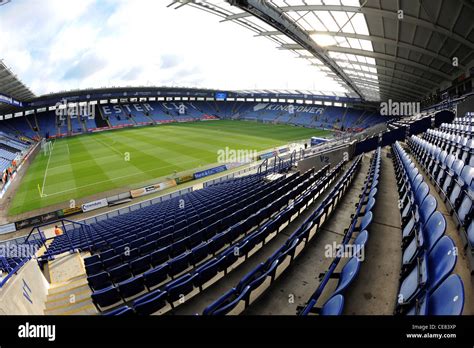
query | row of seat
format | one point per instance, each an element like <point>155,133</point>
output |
<point>458,127</point>
<point>429,256</point>
<point>359,225</point>
<point>466,119</point>
<point>158,246</point>
<point>190,249</point>
<point>455,182</point>
<point>226,253</point>
<point>166,217</point>
<point>461,147</point>
<point>256,282</point>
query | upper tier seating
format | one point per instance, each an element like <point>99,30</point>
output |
<point>140,113</point>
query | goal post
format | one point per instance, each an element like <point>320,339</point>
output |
<point>46,147</point>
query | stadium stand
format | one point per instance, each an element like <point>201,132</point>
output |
<point>10,148</point>
<point>254,284</point>
<point>48,127</point>
<point>448,159</point>
<point>329,117</point>
<point>119,115</point>
<point>76,124</point>
<point>169,243</point>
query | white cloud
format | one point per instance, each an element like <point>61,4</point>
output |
<point>60,45</point>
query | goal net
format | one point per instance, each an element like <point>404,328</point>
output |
<point>46,147</point>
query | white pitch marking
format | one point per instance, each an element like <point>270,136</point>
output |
<point>46,170</point>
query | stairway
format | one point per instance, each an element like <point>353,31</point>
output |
<point>83,124</point>
<point>69,293</point>
<point>31,126</point>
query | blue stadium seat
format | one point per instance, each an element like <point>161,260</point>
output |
<point>207,272</point>
<point>150,303</point>
<point>231,302</point>
<point>141,264</point>
<point>446,299</point>
<point>348,274</point>
<point>365,222</point>
<point>125,310</point>
<point>462,182</point>
<point>156,275</point>
<point>99,281</point>
<point>106,297</point>
<point>120,273</point>
<point>360,241</point>
<point>112,261</point>
<point>94,268</point>
<point>470,233</point>
<point>432,269</point>
<point>424,241</point>
<point>179,264</point>
<point>334,306</point>
<point>131,287</point>
<point>160,256</point>
<point>180,287</point>
<point>91,260</point>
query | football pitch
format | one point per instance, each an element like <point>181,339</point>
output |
<point>85,165</point>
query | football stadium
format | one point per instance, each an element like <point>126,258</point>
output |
<point>280,158</point>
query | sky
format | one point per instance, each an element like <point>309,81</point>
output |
<point>58,45</point>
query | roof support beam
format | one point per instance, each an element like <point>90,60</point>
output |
<point>374,12</point>
<point>379,68</point>
<point>400,89</point>
<point>425,80</point>
<point>274,17</point>
<point>373,38</point>
<point>5,87</point>
<point>376,55</point>
<point>392,78</point>
<point>387,57</point>
<point>391,93</point>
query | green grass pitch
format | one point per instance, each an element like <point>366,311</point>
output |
<point>89,164</point>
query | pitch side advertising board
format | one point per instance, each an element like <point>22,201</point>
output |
<point>152,188</point>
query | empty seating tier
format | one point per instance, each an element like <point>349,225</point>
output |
<point>166,255</point>
<point>254,284</point>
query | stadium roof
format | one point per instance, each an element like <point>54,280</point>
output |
<point>368,46</point>
<point>12,87</point>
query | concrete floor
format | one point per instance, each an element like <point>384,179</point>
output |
<point>376,287</point>
<point>197,304</point>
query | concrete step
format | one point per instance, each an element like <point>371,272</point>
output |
<point>85,307</point>
<point>73,284</point>
<point>67,296</point>
<point>66,267</point>
<point>70,297</point>
<point>68,302</point>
